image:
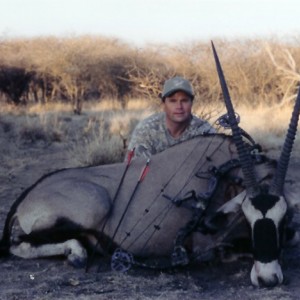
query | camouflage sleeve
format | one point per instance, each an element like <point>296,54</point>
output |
<point>207,128</point>
<point>200,126</point>
<point>141,142</point>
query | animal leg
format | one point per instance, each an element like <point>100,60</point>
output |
<point>72,249</point>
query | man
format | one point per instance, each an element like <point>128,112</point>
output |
<point>174,125</point>
<point>160,131</point>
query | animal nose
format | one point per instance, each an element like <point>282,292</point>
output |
<point>270,282</point>
<point>266,274</point>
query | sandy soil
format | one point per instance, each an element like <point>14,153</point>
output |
<point>23,162</point>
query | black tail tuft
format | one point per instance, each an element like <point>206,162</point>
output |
<point>4,249</point>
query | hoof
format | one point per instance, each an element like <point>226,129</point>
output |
<point>77,262</point>
<point>76,254</point>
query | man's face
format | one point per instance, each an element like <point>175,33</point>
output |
<point>178,107</point>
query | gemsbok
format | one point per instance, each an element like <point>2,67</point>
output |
<point>199,196</point>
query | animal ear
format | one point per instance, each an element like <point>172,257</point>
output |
<point>233,205</point>
<point>220,219</point>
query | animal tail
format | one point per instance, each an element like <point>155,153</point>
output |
<point>5,240</point>
<point>4,248</point>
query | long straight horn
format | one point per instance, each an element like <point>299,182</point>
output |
<point>282,167</point>
<point>243,152</point>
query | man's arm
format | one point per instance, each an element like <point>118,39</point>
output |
<point>141,141</point>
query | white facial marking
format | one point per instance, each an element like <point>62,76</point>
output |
<point>251,213</point>
<point>277,212</point>
<point>233,205</point>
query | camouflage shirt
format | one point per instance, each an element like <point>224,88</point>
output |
<point>151,135</point>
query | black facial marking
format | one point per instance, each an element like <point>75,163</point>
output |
<point>265,244</point>
<point>264,202</point>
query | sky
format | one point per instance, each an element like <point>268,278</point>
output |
<point>151,21</point>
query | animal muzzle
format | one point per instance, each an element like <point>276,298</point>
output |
<point>266,274</point>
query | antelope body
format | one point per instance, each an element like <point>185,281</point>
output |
<point>84,196</point>
<point>65,210</point>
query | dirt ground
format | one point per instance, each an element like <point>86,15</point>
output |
<point>23,162</point>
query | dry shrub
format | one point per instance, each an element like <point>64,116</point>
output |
<point>262,77</point>
<point>96,137</point>
<point>101,134</point>
<point>105,136</point>
<point>106,104</point>
<point>97,152</point>
<point>77,68</point>
<point>96,145</point>
<point>33,125</point>
<point>43,128</point>
<point>139,104</point>
<point>252,75</point>
<point>268,125</point>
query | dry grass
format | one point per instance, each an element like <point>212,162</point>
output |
<point>111,104</point>
<point>268,125</point>
<point>98,136</point>
<point>101,134</point>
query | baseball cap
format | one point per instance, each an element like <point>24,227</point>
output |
<point>177,84</point>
